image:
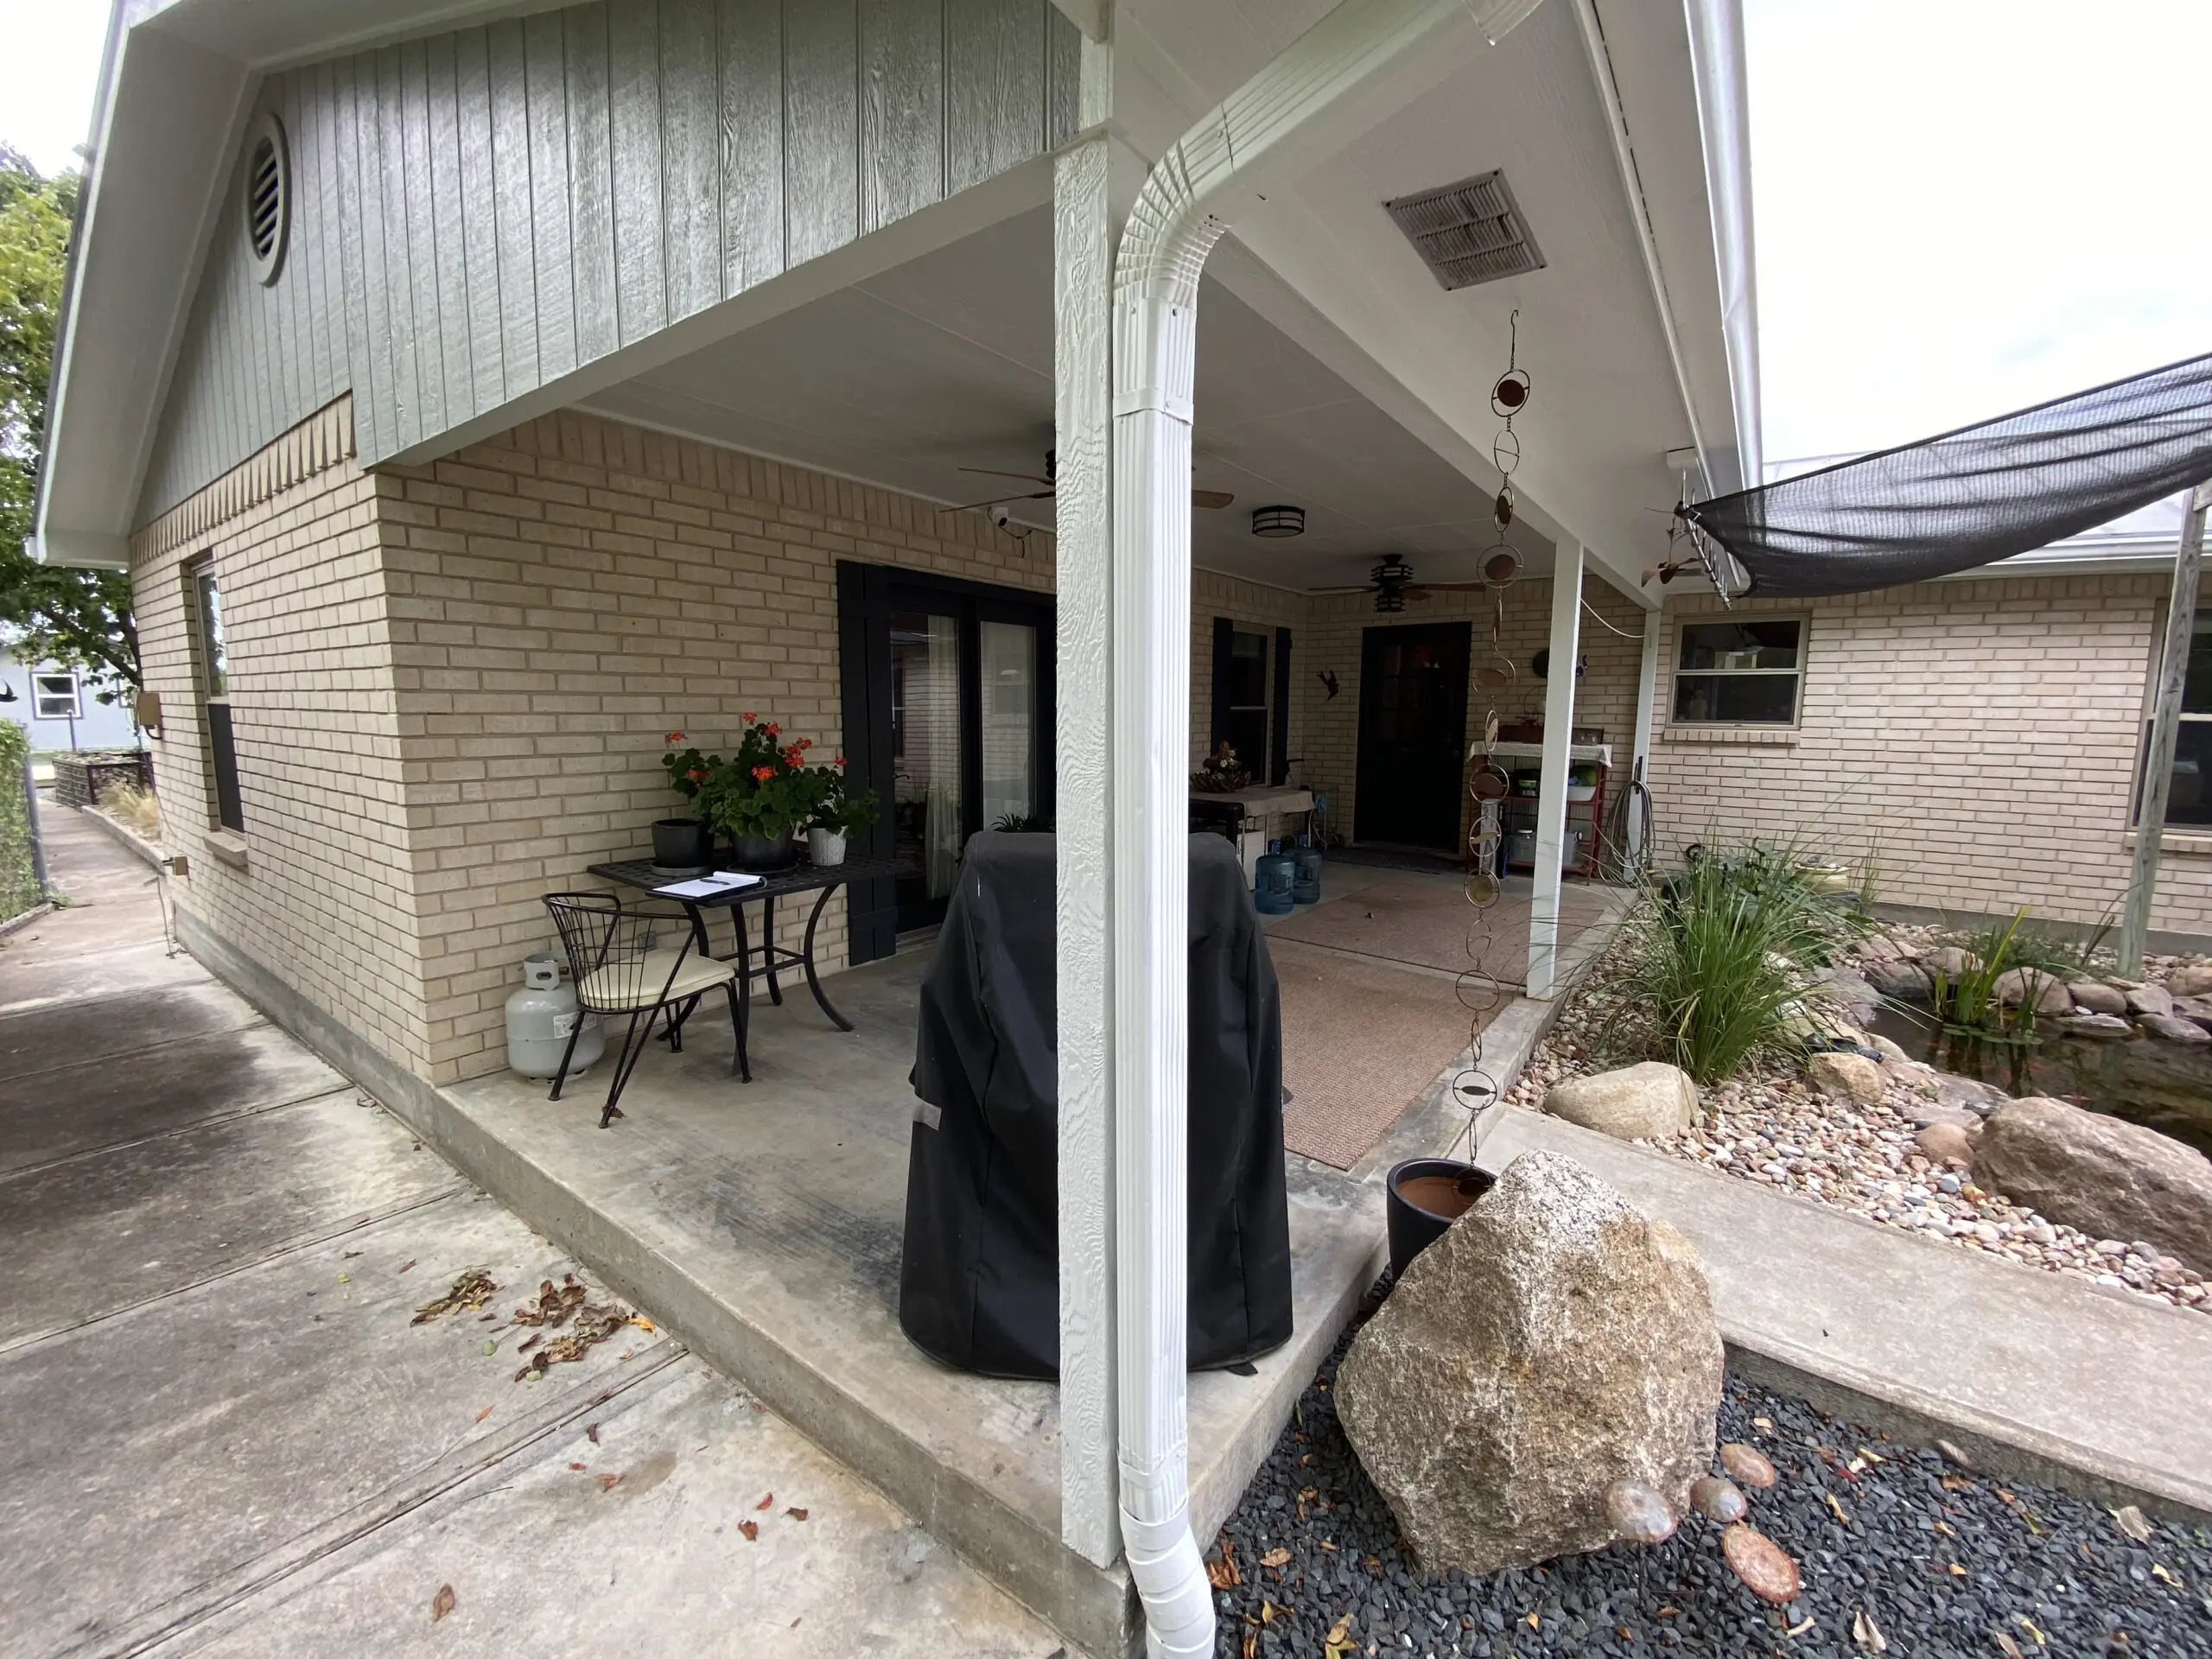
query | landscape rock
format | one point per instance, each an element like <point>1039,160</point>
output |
<point>2195,1008</point>
<point>1875,948</point>
<point>2016,985</point>
<point>2191,979</point>
<point>1901,982</point>
<point>1928,1112</point>
<point>1762,1564</point>
<point>1943,1143</point>
<point>1968,1094</point>
<point>1855,991</point>
<point>2110,1178</point>
<point>1950,961</point>
<point>1553,1344</point>
<point>2105,1027</point>
<point>1888,1050</point>
<point>2097,997</point>
<point>2173,1027</point>
<point>1853,1075</point>
<point>1635,1102</point>
<point>2150,999</point>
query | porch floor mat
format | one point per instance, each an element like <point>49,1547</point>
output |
<point>1403,918</point>
<point>1361,1042</point>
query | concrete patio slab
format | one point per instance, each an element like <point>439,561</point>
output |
<point>2031,1373</point>
<point>763,1222</point>
<point>107,1027</point>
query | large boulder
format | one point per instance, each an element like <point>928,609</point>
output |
<point>2191,979</point>
<point>2110,1178</point>
<point>1951,961</point>
<point>2017,985</point>
<point>1853,1075</point>
<point>2172,1027</point>
<point>1901,982</point>
<point>2150,999</point>
<point>1552,1343</point>
<point>2098,997</point>
<point>1636,1102</point>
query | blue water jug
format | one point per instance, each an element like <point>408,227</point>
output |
<point>1306,887</point>
<point>1275,877</point>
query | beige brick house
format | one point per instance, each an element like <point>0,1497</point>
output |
<point>477,394</point>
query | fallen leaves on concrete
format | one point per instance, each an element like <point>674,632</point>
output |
<point>441,1603</point>
<point>586,1323</point>
<point>471,1290</point>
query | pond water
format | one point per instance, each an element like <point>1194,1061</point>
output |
<point>2148,1080</point>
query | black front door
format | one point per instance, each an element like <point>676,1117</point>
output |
<point>1413,734</point>
<point>948,716</point>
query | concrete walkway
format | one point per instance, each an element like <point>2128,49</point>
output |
<point>223,1434</point>
<point>2030,1372</point>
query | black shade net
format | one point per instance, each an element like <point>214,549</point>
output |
<point>1971,497</point>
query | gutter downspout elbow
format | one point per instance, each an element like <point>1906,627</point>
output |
<point>1319,92</point>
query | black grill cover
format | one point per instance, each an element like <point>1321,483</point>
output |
<point>979,1284</point>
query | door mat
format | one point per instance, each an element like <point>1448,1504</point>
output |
<point>1361,1042</point>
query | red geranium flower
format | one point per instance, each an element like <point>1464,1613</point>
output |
<point>750,716</point>
<point>839,761</point>
<point>806,743</point>
<point>762,774</point>
<point>697,774</point>
<point>671,737</point>
<point>773,730</point>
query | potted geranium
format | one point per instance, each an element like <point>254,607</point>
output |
<point>837,814</point>
<point>685,844</point>
<point>761,796</point>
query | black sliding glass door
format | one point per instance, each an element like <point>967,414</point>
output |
<point>948,716</point>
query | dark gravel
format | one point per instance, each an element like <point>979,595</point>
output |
<point>2036,1563</point>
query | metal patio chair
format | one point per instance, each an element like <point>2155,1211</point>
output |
<point>644,963</point>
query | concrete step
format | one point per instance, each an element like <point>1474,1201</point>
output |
<point>2035,1374</point>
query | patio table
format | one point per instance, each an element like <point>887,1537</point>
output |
<point>803,877</point>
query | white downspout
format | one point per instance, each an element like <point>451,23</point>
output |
<point>1317,94</point>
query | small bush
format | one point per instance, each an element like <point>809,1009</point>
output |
<point>1719,955</point>
<point>18,884</point>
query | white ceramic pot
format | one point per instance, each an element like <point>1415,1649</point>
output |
<point>825,847</point>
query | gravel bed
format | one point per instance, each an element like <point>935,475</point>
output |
<point>1941,1561</point>
<point>1772,1129</point>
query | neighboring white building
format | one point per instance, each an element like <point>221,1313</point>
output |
<point>60,709</point>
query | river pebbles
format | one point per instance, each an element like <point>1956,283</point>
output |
<point>1772,1129</point>
<point>1938,1561</point>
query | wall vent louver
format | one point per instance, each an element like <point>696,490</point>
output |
<point>1468,232</point>
<point>267,198</point>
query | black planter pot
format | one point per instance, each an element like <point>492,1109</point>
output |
<point>1423,1196</point>
<point>681,844</point>
<point>764,853</point>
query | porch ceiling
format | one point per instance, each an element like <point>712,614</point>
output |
<point>947,362</point>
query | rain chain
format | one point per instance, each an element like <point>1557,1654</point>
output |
<point>1480,992</point>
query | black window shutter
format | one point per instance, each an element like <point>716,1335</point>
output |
<point>1279,773</point>
<point>1224,647</point>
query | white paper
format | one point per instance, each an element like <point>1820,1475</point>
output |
<point>708,887</point>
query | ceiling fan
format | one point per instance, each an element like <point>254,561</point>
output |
<point>1392,582</point>
<point>1048,478</point>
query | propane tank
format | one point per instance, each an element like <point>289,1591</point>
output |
<point>540,1017</point>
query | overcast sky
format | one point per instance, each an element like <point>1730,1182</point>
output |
<point>1962,206</point>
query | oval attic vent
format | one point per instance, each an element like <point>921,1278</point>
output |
<point>267,198</point>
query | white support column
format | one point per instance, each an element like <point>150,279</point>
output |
<point>1083,232</point>
<point>1551,794</point>
<point>1647,705</point>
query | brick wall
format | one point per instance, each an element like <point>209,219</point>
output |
<point>564,595</point>
<point>1254,608</point>
<point>1980,736</point>
<point>320,889</point>
<point>1604,696</point>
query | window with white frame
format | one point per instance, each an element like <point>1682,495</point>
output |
<point>57,697</point>
<point>2188,796</point>
<point>1740,672</point>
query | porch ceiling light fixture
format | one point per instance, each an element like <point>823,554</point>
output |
<point>1278,521</point>
<point>1324,89</point>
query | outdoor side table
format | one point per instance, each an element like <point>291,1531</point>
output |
<point>766,960</point>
